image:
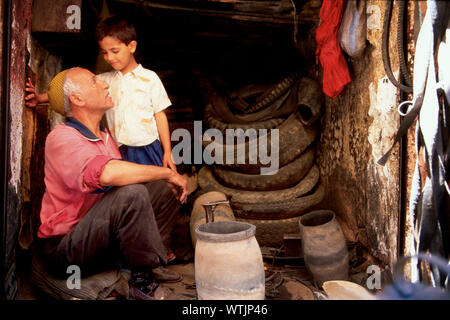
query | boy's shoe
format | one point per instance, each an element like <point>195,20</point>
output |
<point>162,274</point>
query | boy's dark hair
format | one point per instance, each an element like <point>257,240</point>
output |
<point>117,27</point>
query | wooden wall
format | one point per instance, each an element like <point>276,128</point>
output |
<point>357,128</point>
<point>13,197</point>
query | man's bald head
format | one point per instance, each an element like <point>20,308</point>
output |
<point>70,86</point>
<point>82,88</point>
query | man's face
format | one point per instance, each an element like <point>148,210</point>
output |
<point>95,91</point>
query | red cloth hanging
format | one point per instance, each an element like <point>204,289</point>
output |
<point>335,69</point>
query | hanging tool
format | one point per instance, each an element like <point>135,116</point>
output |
<point>210,207</point>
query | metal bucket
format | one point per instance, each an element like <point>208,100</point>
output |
<point>324,247</point>
<point>228,262</point>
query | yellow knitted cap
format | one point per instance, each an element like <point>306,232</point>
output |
<point>56,92</point>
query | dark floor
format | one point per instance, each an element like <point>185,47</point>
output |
<point>286,279</point>
<point>286,276</point>
<point>282,282</point>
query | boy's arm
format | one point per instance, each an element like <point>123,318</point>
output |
<point>164,135</point>
<point>33,99</point>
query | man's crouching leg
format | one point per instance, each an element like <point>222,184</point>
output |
<point>121,225</point>
<point>166,208</point>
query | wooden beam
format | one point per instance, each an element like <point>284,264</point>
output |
<point>56,16</point>
<point>277,12</point>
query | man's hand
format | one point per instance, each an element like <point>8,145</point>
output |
<point>33,99</point>
<point>178,184</point>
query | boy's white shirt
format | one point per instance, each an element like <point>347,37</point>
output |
<point>137,96</point>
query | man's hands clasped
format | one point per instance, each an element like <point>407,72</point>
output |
<point>178,185</point>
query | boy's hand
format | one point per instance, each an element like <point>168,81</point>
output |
<point>168,162</point>
<point>33,99</point>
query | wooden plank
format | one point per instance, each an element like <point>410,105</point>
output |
<point>240,10</point>
<point>56,16</point>
<point>357,128</point>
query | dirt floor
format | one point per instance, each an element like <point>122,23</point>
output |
<point>286,279</point>
<point>282,283</point>
<point>286,276</point>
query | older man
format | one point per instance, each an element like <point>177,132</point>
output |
<point>97,209</point>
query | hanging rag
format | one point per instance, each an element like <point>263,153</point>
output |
<point>429,206</point>
<point>352,32</point>
<point>335,70</point>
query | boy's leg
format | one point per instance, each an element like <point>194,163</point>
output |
<point>121,225</point>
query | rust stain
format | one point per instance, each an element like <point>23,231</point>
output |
<point>144,79</point>
<point>21,21</point>
<point>357,128</point>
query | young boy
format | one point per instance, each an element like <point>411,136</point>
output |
<point>137,122</point>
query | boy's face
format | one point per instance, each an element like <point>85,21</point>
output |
<point>118,54</point>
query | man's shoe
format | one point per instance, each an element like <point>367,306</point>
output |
<point>158,293</point>
<point>142,286</point>
<point>165,275</point>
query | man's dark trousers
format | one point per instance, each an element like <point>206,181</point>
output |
<point>131,224</point>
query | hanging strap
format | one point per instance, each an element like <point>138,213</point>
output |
<point>428,205</point>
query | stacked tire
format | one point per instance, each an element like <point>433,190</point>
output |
<point>274,203</point>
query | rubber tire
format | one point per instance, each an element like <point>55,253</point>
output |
<point>286,177</point>
<point>214,121</point>
<point>310,101</point>
<point>279,209</point>
<point>284,105</point>
<point>294,138</point>
<point>269,233</point>
<point>237,98</point>
<point>206,180</point>
<point>273,94</point>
